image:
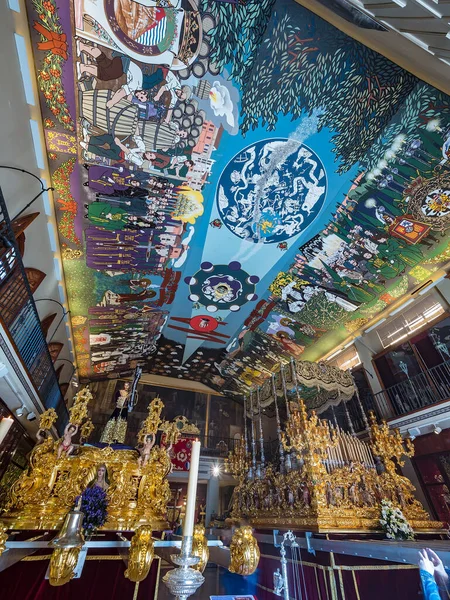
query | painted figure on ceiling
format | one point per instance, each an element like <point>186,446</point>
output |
<point>117,178</point>
<point>111,147</point>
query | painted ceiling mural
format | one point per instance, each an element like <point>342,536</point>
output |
<point>235,182</point>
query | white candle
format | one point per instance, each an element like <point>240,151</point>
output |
<point>5,426</point>
<point>188,528</point>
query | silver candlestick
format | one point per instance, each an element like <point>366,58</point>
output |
<point>184,581</point>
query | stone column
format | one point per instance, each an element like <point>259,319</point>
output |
<point>212,498</point>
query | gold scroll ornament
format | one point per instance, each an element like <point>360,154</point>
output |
<point>141,554</point>
<point>200,547</point>
<point>62,565</point>
<point>244,552</point>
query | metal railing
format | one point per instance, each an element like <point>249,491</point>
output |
<point>213,445</point>
<point>419,391</point>
<point>19,316</point>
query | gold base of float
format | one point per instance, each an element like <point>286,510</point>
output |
<point>339,524</point>
<point>342,501</point>
<point>41,498</point>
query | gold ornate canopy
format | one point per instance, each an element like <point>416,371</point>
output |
<point>319,384</point>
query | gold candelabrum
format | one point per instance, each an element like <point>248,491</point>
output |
<point>238,460</point>
<point>311,438</point>
<point>332,483</point>
<point>86,429</point>
<point>153,420</point>
<point>78,412</point>
<point>48,419</point>
<point>388,444</point>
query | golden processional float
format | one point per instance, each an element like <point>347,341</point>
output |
<point>324,479</point>
<point>48,497</point>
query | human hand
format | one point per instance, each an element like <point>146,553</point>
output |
<point>425,564</point>
<point>109,104</point>
<point>439,570</point>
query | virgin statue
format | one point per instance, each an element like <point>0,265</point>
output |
<point>101,479</point>
<point>116,427</point>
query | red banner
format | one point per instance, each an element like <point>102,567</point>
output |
<point>180,453</point>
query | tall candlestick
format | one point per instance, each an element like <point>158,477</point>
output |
<point>349,419</point>
<point>361,451</point>
<point>261,434</point>
<point>285,394</point>
<point>339,452</point>
<point>5,426</point>
<point>245,426</point>
<point>253,435</point>
<point>294,380</point>
<point>356,446</point>
<point>188,528</point>
<point>277,414</point>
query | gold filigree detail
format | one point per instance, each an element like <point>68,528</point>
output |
<point>141,554</point>
<point>47,419</point>
<point>238,460</point>
<point>86,429</point>
<point>3,538</point>
<point>200,547</point>
<point>62,565</point>
<point>172,432</point>
<point>244,552</point>
<point>78,412</point>
<point>184,426</point>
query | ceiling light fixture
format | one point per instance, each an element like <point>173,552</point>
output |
<point>437,430</point>
<point>334,354</point>
<point>373,326</point>
<point>401,307</point>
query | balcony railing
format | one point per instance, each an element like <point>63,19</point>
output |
<point>419,391</point>
<point>19,316</point>
<point>219,446</point>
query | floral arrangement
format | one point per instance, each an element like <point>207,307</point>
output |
<point>394,522</point>
<point>94,506</point>
<point>54,43</point>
